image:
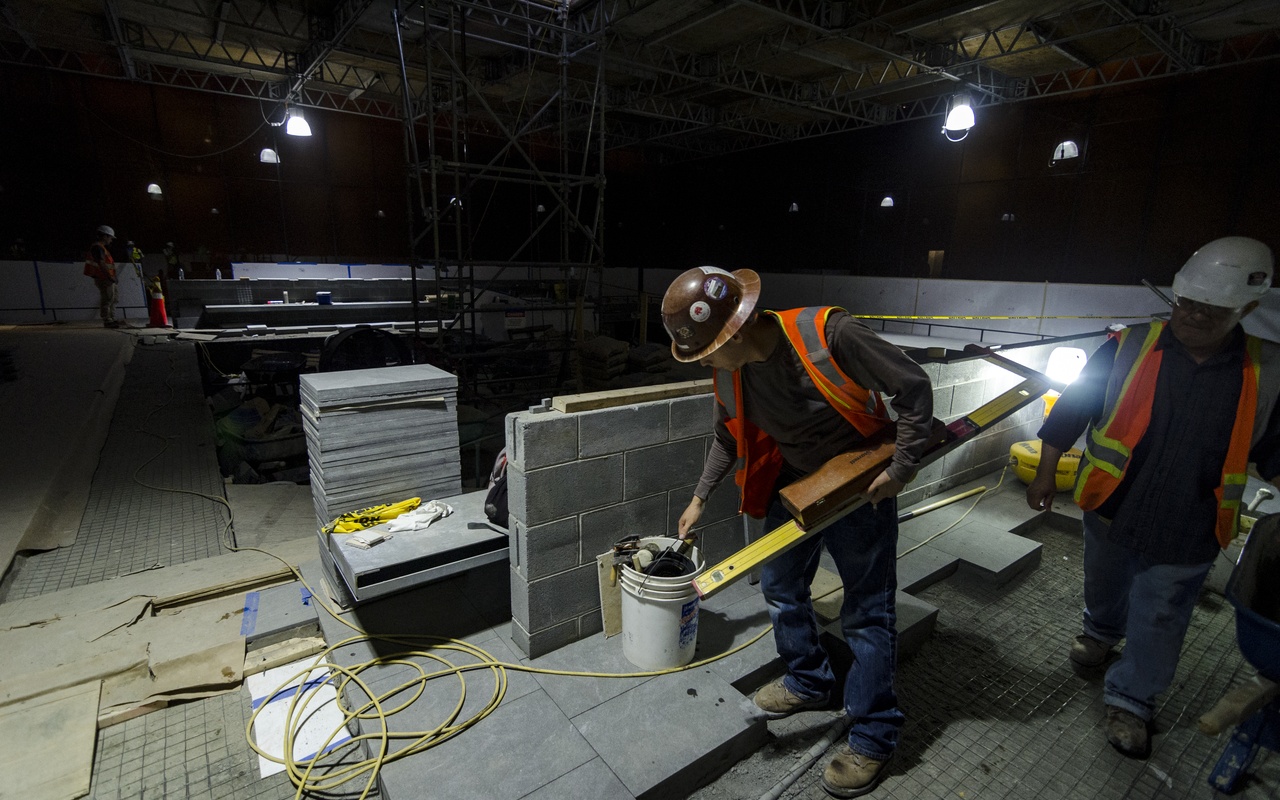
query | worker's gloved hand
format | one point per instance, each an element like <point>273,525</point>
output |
<point>1040,492</point>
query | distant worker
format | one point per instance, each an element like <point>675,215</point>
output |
<point>100,266</point>
<point>135,253</point>
<point>1175,413</point>
<point>171,263</point>
<point>773,374</point>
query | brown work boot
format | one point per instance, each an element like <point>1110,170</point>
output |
<point>1127,733</point>
<point>852,774</point>
<point>1088,652</point>
<point>776,699</point>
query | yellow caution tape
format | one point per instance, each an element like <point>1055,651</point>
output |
<point>989,316</point>
<point>353,521</point>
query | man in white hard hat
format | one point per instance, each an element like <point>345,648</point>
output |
<point>793,390</point>
<point>100,266</point>
<point>1175,414</point>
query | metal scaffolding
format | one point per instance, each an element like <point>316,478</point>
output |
<point>448,179</point>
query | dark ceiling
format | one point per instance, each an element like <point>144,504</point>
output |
<point>689,77</point>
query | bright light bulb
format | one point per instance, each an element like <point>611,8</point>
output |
<point>297,124</point>
<point>1065,364</point>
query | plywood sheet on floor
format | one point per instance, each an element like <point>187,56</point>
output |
<point>59,406</point>
<point>57,732</point>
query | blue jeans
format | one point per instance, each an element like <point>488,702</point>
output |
<point>1149,605</point>
<point>864,546</point>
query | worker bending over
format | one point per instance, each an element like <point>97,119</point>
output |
<point>794,389</point>
<point>1175,413</point>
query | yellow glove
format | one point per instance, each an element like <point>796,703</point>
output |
<point>353,521</point>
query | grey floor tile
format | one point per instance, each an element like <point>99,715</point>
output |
<point>521,747</point>
<point>678,714</point>
<point>592,780</point>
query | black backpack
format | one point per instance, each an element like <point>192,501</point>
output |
<point>495,502</point>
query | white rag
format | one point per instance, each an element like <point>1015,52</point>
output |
<point>421,517</point>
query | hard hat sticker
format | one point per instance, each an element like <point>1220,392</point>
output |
<point>700,311</point>
<point>715,271</point>
<point>715,288</point>
<point>684,332</point>
<point>1257,278</point>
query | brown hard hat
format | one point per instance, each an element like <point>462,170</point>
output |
<point>705,307</point>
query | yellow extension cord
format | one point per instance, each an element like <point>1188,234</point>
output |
<point>301,773</point>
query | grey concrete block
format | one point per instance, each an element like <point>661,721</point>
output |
<point>546,549</point>
<point>590,624</point>
<point>916,621</point>
<point>521,747</point>
<point>721,504</point>
<point>593,779</point>
<point>719,540</point>
<point>967,396</point>
<point>517,495</point>
<point>561,597</point>
<point>924,567</point>
<point>942,400</point>
<point>562,491</point>
<point>541,440</point>
<point>519,586</point>
<point>956,461</point>
<point>998,384</point>
<point>657,469</point>
<point>988,553</point>
<point>692,416</point>
<point>646,516</point>
<point>544,641</point>
<point>695,726</point>
<point>616,430</point>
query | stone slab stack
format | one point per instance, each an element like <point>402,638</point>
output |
<point>380,435</point>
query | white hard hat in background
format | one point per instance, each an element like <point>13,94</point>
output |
<point>107,229</point>
<point>1230,272</point>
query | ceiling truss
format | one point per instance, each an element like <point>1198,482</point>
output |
<point>691,78</point>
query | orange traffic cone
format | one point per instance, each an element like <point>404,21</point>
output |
<point>155,307</point>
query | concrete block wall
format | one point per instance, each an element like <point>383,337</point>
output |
<point>579,482</point>
<point>960,387</point>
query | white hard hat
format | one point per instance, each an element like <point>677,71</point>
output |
<point>107,229</point>
<point>1230,272</point>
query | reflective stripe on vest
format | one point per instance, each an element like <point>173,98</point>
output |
<point>759,460</point>
<point>1130,394</point>
<point>806,329</point>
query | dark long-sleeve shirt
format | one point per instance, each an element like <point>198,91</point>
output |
<point>779,397</point>
<point>1165,507</point>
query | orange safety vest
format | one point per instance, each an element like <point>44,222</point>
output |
<point>1126,414</point>
<point>96,271</point>
<point>759,460</point>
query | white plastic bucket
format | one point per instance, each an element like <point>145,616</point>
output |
<point>660,614</point>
